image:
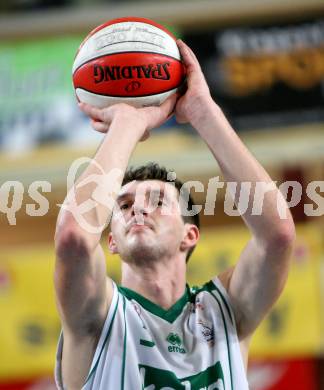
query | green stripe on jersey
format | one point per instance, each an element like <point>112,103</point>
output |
<point>124,349</point>
<point>155,378</point>
<point>147,343</point>
<point>169,315</point>
<point>210,287</point>
<point>227,341</point>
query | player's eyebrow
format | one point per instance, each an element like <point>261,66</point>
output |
<point>159,193</point>
<point>124,196</point>
<point>152,192</point>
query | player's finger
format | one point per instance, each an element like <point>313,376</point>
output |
<point>158,115</point>
<point>187,54</point>
<point>194,73</point>
<point>91,111</point>
<point>193,55</point>
<point>184,52</point>
<point>101,127</point>
<point>166,109</point>
<point>168,105</point>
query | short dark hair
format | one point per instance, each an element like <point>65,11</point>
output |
<point>153,171</point>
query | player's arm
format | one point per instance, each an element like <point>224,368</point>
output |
<point>258,278</point>
<point>83,291</point>
<point>80,278</point>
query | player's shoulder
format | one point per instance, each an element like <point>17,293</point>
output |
<point>225,277</point>
<point>219,283</point>
<point>211,287</point>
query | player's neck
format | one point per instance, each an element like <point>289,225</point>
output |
<point>162,283</point>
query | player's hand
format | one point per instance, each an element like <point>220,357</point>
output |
<point>197,99</point>
<point>145,118</point>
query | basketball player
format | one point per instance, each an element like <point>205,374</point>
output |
<point>154,332</point>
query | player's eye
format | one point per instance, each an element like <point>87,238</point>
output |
<point>124,206</point>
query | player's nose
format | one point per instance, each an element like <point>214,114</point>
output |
<point>139,209</point>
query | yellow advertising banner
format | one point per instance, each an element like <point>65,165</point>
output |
<point>293,327</point>
<point>29,324</point>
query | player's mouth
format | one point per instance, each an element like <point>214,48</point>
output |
<point>139,226</point>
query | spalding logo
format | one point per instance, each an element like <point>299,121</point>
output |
<point>108,73</point>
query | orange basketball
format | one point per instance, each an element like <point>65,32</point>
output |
<point>131,60</point>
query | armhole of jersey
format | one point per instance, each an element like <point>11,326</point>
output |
<point>222,293</point>
<point>102,340</point>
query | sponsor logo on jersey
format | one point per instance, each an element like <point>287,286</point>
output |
<point>207,332</point>
<point>156,379</point>
<point>176,343</point>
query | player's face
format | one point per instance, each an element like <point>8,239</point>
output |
<point>147,222</point>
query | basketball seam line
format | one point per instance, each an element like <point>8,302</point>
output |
<point>124,52</point>
<point>131,20</point>
<point>116,43</point>
<point>129,97</point>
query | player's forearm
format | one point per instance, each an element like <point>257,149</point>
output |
<point>238,165</point>
<point>105,174</point>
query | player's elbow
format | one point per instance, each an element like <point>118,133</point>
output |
<point>283,237</point>
<point>70,244</point>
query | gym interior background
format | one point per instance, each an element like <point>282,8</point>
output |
<point>264,62</point>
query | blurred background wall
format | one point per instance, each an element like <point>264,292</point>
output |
<point>264,62</point>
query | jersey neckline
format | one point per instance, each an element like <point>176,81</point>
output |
<point>170,315</point>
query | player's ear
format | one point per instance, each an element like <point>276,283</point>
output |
<point>191,236</point>
<point>112,244</point>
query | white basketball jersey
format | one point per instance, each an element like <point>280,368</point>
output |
<point>191,346</point>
